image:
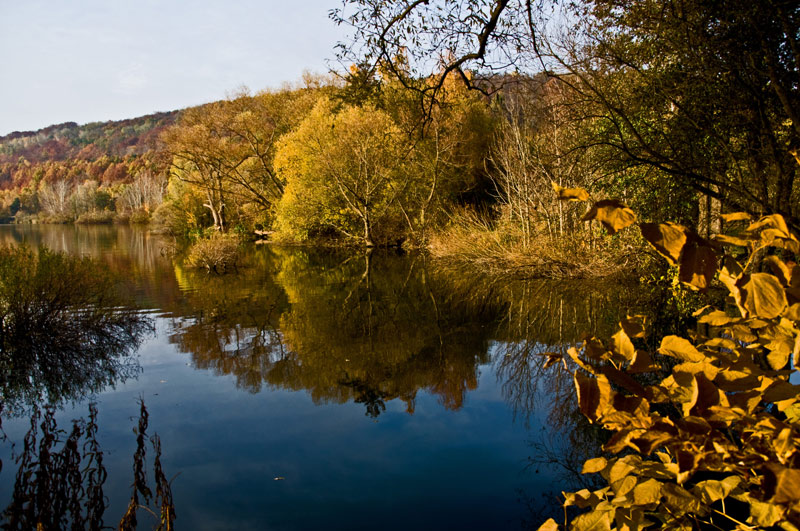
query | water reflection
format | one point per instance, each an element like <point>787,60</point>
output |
<point>381,331</point>
<point>377,327</point>
<point>64,331</point>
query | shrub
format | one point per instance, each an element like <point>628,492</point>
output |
<point>95,217</point>
<point>139,217</point>
<point>709,438</point>
<point>216,254</point>
<point>53,218</point>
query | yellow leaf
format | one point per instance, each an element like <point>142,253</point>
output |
<point>779,269</point>
<point>680,501</point>
<point>592,466</point>
<point>593,521</point>
<point>667,238</point>
<point>549,525</point>
<point>680,348</point>
<point>781,484</point>
<point>707,369</point>
<point>634,325</point>
<point>647,492</point>
<point>762,295</point>
<point>793,312</point>
<point>716,318</point>
<point>614,215</point>
<point>698,264</point>
<point>775,221</point>
<point>712,490</point>
<point>622,345</point>
<point>624,486</point>
<point>570,194</point>
<point>731,240</point>
<point>594,395</point>
<point>736,216</point>
<point>764,514</point>
<point>623,468</point>
<point>642,362</point>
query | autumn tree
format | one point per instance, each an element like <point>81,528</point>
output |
<point>344,171</point>
<point>145,193</point>
<point>533,151</point>
<point>53,197</point>
<point>226,150</point>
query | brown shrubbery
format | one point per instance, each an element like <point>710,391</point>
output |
<point>713,442</point>
<point>217,254</point>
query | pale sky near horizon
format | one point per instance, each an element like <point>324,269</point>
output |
<point>96,60</point>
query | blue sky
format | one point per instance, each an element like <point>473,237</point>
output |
<point>96,60</point>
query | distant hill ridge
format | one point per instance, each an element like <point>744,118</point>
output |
<point>68,140</point>
<point>108,152</point>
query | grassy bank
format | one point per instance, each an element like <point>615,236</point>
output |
<point>504,249</point>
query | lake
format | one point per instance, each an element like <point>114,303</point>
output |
<point>334,389</point>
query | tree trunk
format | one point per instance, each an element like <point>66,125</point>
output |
<point>368,232</point>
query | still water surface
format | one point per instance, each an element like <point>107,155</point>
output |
<point>385,392</point>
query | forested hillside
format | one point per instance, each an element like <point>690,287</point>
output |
<point>108,152</point>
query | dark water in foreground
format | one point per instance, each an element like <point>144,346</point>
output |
<point>386,393</point>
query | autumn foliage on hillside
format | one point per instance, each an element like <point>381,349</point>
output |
<point>107,152</point>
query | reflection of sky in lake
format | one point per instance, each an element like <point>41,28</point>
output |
<point>459,461</point>
<point>342,469</point>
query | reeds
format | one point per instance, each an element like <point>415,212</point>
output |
<point>503,249</point>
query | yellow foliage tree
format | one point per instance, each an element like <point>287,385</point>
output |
<point>344,171</point>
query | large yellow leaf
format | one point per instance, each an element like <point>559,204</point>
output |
<point>622,344</point>
<point>593,521</point>
<point>680,348</point>
<point>667,238</point>
<point>613,214</point>
<point>764,514</point>
<point>647,492</point>
<point>782,484</point>
<point>762,295</point>
<point>712,490</point>
<point>594,395</point>
<point>680,501</point>
<point>716,318</point>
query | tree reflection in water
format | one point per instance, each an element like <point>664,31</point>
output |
<point>369,328</point>
<point>372,328</point>
<point>64,332</point>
